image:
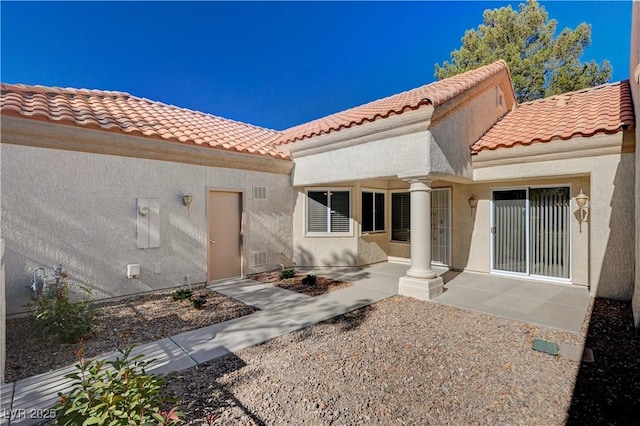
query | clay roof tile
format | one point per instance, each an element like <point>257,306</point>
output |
<point>119,111</point>
<point>603,109</point>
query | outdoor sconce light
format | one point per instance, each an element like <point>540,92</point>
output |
<point>582,199</point>
<point>473,203</point>
<point>187,199</point>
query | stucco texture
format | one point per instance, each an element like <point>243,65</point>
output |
<point>79,210</point>
<point>634,72</point>
<point>610,178</point>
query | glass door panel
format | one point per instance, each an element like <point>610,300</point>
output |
<point>510,230</point>
<point>550,239</point>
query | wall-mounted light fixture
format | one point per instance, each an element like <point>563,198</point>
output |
<point>582,200</point>
<point>187,199</point>
<point>473,203</point>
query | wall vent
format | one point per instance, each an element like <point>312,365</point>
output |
<point>259,258</point>
<point>259,192</point>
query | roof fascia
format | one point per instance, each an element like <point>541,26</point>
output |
<point>396,125</point>
<point>578,147</point>
<point>43,134</point>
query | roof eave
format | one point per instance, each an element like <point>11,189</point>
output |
<point>46,134</point>
<point>396,125</point>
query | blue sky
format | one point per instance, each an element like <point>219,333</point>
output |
<point>270,64</point>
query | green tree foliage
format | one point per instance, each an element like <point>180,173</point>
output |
<point>541,64</point>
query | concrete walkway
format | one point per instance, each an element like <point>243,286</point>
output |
<point>283,311</point>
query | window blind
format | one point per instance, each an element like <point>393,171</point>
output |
<point>400,217</point>
<point>328,211</point>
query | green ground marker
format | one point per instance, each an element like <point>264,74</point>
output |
<point>544,346</point>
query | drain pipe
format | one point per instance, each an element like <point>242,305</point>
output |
<point>34,278</point>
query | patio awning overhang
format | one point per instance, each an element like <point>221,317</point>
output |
<point>397,146</point>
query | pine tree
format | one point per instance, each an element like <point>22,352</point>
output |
<point>540,64</point>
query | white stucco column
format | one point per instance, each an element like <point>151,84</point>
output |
<point>421,281</point>
<point>420,194</point>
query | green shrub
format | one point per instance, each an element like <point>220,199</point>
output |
<point>182,294</point>
<point>310,280</point>
<point>116,392</point>
<point>56,315</point>
<point>287,273</point>
<point>199,302</point>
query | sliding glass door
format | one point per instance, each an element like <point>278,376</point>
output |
<point>531,231</point>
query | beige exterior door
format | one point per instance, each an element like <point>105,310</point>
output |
<point>224,216</point>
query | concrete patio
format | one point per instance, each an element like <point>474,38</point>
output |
<point>558,306</point>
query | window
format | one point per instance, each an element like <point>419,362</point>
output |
<point>328,211</point>
<point>440,222</point>
<point>372,211</point>
<point>400,216</point>
<point>532,231</point>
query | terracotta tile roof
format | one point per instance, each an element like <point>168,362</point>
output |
<point>121,112</point>
<point>602,109</point>
<point>434,94</point>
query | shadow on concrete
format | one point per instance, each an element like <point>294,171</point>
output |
<point>449,275</point>
<point>352,320</point>
<point>607,391</point>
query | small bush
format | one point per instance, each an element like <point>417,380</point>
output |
<point>116,392</point>
<point>199,302</point>
<point>310,280</point>
<point>287,273</point>
<point>56,315</point>
<point>182,294</point>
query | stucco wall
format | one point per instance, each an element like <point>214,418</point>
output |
<point>610,221</point>
<point>357,249</point>
<point>3,316</point>
<point>79,210</point>
<point>635,90</point>
<point>471,229</point>
<point>382,158</point>
<point>454,134</point>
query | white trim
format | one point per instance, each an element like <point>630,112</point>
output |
<point>306,210</point>
<point>448,189</point>
<point>390,227</point>
<point>528,273</point>
<point>402,260</point>
<point>374,191</point>
<point>492,234</point>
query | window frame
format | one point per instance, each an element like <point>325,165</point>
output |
<point>374,191</point>
<point>391,193</point>
<point>328,232</point>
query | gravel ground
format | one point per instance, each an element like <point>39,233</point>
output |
<point>130,321</point>
<point>399,361</point>
<point>608,390</point>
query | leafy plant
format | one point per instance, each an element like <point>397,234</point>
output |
<point>56,315</point>
<point>286,273</point>
<point>116,392</point>
<point>199,302</point>
<point>182,294</point>
<point>310,280</point>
